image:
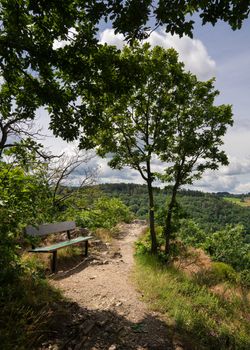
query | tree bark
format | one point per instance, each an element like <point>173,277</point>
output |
<point>152,218</point>
<point>168,221</point>
<point>3,139</point>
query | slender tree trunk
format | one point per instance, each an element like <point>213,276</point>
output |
<point>3,140</point>
<point>152,217</point>
<point>168,221</point>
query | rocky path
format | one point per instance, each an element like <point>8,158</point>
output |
<point>108,312</point>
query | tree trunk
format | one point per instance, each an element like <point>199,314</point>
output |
<point>152,218</point>
<point>3,140</point>
<point>168,221</point>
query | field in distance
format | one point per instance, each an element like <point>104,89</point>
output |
<point>243,201</point>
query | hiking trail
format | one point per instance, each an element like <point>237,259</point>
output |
<point>108,312</point>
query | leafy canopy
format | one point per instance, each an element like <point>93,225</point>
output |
<point>50,54</point>
<point>168,116</point>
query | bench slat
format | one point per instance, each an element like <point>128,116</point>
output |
<point>46,229</point>
<point>60,245</point>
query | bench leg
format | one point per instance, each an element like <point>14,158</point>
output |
<point>53,261</point>
<point>86,248</point>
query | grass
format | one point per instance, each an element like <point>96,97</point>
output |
<point>31,310</point>
<point>65,257</point>
<point>239,201</point>
<point>208,320</point>
<point>27,308</point>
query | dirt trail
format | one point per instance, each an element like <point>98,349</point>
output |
<point>112,315</point>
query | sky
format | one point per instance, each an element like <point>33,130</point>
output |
<point>213,52</point>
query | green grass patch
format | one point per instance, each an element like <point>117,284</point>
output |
<point>27,308</point>
<point>242,202</point>
<point>70,252</point>
<point>207,319</point>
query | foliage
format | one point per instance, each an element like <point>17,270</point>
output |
<point>51,56</point>
<point>212,212</point>
<point>245,278</point>
<point>218,273</point>
<point>144,243</point>
<point>169,116</point>
<point>105,213</point>
<point>228,246</point>
<point>222,272</point>
<point>208,320</point>
<point>18,104</point>
<point>208,210</point>
<point>191,233</point>
<point>24,200</point>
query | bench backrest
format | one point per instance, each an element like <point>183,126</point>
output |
<point>46,229</point>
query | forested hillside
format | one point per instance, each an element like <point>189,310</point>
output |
<point>211,211</point>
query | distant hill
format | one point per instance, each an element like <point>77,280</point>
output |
<point>212,211</point>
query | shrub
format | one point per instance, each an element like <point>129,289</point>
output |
<point>221,272</point>
<point>24,200</point>
<point>218,273</point>
<point>105,213</point>
<point>245,278</point>
<point>191,234</point>
<point>228,246</point>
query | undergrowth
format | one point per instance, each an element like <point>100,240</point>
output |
<point>209,319</point>
<point>27,308</point>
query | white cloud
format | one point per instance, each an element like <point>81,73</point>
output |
<point>237,167</point>
<point>191,51</point>
<point>108,175</point>
<point>237,143</point>
<point>234,178</point>
<point>61,43</point>
<point>216,182</point>
<point>243,188</point>
<point>108,36</point>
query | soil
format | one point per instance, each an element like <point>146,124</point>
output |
<point>107,312</point>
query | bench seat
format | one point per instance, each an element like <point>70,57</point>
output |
<point>56,228</point>
<point>60,245</point>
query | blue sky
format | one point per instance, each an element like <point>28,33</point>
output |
<point>214,51</point>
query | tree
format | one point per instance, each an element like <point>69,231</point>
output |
<point>196,137</point>
<point>30,59</point>
<point>17,111</point>
<point>52,47</point>
<point>169,117</point>
<point>134,120</point>
<point>131,17</point>
<point>60,172</point>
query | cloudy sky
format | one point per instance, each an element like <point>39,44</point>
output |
<point>213,52</point>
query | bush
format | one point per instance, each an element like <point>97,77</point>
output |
<point>245,278</point>
<point>24,200</point>
<point>191,234</point>
<point>221,272</point>
<point>105,213</point>
<point>228,246</point>
<point>218,273</point>
<point>144,244</point>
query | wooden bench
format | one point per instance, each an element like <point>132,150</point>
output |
<point>46,229</point>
